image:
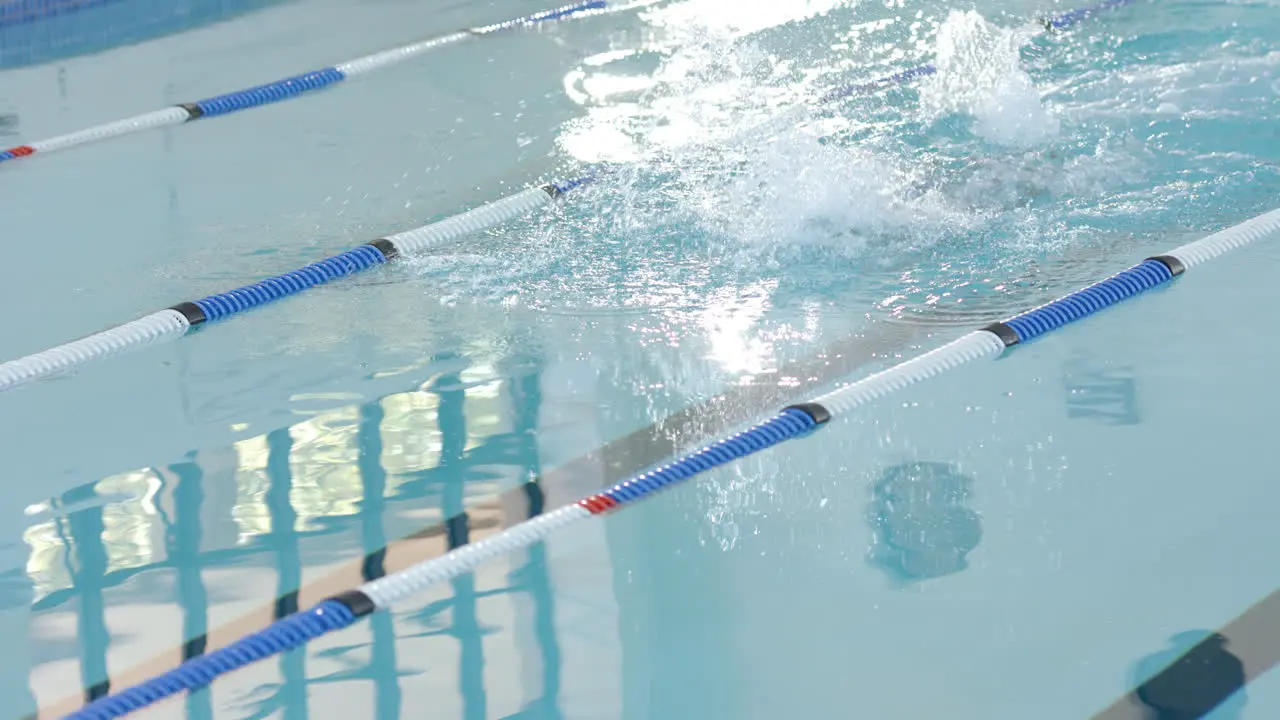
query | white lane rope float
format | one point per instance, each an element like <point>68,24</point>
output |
<point>305,83</point>
<point>792,422</point>
<point>178,320</point>
<point>286,88</point>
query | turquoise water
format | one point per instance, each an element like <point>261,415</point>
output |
<point>1028,538</point>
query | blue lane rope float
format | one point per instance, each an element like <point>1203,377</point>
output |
<point>792,422</point>
<point>284,89</point>
<point>1137,279</point>
<point>178,320</point>
<point>308,82</point>
<point>285,634</point>
<point>222,305</point>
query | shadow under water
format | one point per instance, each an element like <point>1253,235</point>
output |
<point>922,526</point>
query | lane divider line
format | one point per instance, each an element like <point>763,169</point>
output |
<point>178,320</point>
<point>794,421</point>
<point>315,80</point>
<point>285,89</point>
<point>615,460</point>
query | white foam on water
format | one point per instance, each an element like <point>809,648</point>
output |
<point>726,130</point>
<point>729,19</point>
<point>724,163</point>
<point>980,74</point>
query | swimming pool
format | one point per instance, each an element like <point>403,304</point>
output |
<point>1033,537</point>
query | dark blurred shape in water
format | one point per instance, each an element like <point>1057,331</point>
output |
<point>1196,676</point>
<point>921,522</point>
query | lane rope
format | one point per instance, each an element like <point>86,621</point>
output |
<point>175,321</point>
<point>794,421</point>
<point>285,89</point>
<point>298,85</point>
<point>179,319</point>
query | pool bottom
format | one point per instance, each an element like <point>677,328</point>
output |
<point>1101,391</point>
<point>566,483</point>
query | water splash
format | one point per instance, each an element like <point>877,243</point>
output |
<point>726,134</point>
<point>728,174</point>
<point>737,200</point>
<point>980,74</point>
<point>730,19</point>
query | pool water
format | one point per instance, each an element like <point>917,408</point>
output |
<point>1034,537</point>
